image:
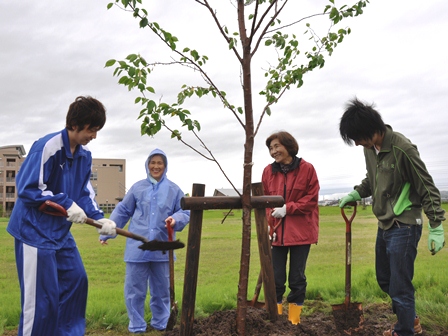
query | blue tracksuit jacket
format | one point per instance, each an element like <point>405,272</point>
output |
<point>50,172</point>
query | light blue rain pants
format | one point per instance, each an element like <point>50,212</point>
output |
<point>138,277</point>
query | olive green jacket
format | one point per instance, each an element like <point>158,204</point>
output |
<point>399,183</point>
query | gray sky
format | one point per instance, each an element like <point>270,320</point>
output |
<point>54,51</point>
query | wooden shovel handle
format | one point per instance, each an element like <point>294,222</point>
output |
<point>55,209</point>
<point>171,263</point>
<point>348,253</point>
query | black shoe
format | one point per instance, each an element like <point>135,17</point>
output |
<point>151,328</point>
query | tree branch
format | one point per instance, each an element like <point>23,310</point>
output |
<point>188,145</point>
<point>277,12</point>
<point>223,33</point>
<point>196,66</point>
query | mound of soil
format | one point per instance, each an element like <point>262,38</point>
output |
<point>316,321</point>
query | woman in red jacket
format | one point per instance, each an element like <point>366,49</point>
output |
<point>295,226</point>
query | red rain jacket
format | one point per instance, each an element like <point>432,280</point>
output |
<point>300,189</point>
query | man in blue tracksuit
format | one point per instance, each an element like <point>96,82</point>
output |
<point>53,281</point>
<point>151,204</point>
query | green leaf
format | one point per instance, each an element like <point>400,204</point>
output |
<point>132,57</point>
<point>110,62</point>
<point>194,54</point>
<point>151,105</point>
<point>231,43</point>
<point>143,22</point>
<point>123,80</point>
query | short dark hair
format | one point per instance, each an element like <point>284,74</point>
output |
<point>360,121</point>
<point>85,111</point>
<point>286,140</point>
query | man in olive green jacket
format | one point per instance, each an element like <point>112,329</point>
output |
<point>400,186</point>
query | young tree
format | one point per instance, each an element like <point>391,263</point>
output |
<point>259,30</point>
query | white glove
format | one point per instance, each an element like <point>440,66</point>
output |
<point>75,214</point>
<point>108,228</point>
<point>279,212</point>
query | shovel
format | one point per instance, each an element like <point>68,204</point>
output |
<point>174,310</point>
<point>254,302</point>
<point>348,316</point>
<point>55,209</point>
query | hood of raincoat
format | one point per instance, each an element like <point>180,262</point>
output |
<point>165,160</point>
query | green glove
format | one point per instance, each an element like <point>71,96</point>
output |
<point>352,197</point>
<point>436,239</point>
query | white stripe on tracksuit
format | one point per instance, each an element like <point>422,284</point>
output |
<point>29,284</point>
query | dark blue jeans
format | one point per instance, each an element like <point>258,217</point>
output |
<point>395,253</point>
<point>298,255</point>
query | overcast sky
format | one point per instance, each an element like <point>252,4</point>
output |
<point>395,57</point>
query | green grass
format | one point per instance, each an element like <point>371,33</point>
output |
<point>219,270</point>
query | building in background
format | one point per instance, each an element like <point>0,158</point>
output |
<point>227,192</point>
<point>11,158</point>
<point>108,179</point>
<point>109,182</point>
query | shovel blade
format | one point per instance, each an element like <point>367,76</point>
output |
<point>256,304</point>
<point>173,317</point>
<point>159,245</point>
<point>348,318</point>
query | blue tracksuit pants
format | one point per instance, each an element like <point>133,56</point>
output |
<point>53,285</point>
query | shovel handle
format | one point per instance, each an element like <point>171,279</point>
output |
<point>348,253</point>
<point>348,222</point>
<point>171,263</point>
<point>55,209</point>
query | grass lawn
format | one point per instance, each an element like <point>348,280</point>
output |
<point>219,270</point>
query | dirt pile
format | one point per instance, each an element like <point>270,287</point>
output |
<point>317,322</point>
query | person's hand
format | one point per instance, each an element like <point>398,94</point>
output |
<point>279,212</point>
<point>108,227</point>
<point>103,239</point>
<point>352,197</point>
<point>170,221</point>
<point>436,239</point>
<point>75,214</point>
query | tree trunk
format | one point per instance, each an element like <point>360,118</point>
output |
<point>247,175</point>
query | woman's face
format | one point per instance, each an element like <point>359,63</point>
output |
<point>279,153</point>
<point>156,167</point>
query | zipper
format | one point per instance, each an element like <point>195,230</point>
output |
<point>376,176</point>
<point>283,219</point>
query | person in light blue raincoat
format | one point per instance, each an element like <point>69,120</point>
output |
<point>151,204</point>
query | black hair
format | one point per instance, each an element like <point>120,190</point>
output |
<point>360,121</point>
<point>85,111</point>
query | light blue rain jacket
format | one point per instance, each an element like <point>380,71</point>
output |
<point>148,205</point>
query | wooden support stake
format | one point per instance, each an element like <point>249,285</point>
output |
<point>197,203</point>
<point>192,265</point>
<point>264,250</point>
<point>229,202</point>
